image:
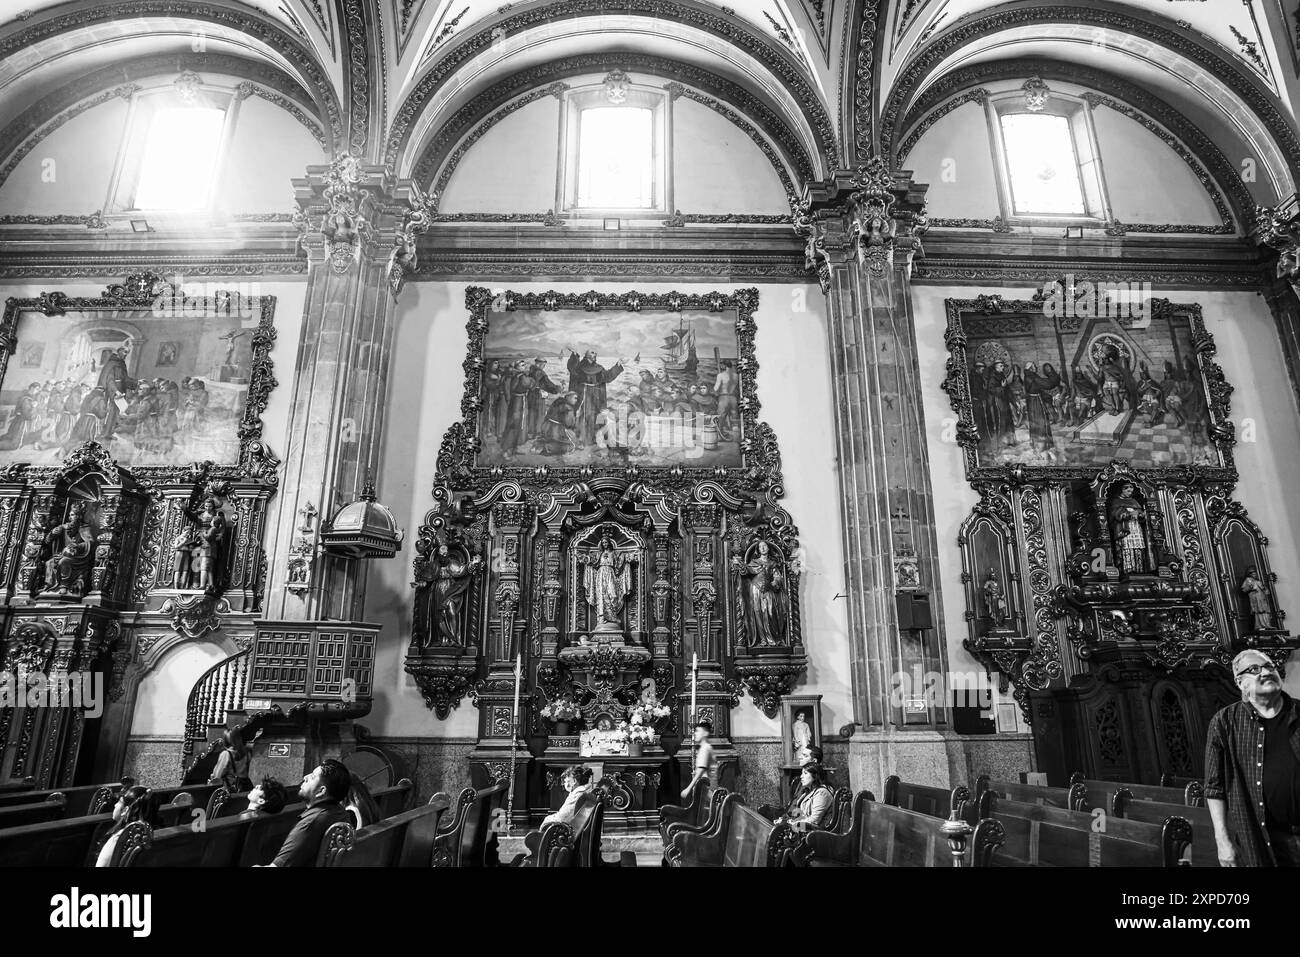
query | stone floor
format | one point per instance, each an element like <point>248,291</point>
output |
<point>647,846</point>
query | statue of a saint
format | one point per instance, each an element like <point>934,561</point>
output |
<point>995,602</point>
<point>71,549</point>
<point>801,737</point>
<point>183,561</point>
<point>607,581</point>
<point>211,545</point>
<point>762,584</point>
<point>1128,531</point>
<point>1257,594</point>
<point>450,579</point>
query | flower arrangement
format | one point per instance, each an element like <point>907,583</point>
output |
<point>634,731</point>
<point>647,712</point>
<point>561,709</point>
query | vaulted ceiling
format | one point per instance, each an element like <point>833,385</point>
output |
<point>843,76</point>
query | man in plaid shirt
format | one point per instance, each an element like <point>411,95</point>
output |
<point>1252,770</point>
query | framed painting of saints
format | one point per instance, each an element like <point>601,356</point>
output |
<point>159,382</point>
<point>1064,394</point>
<point>650,380</point>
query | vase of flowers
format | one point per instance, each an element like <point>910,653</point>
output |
<point>561,713</point>
<point>638,734</point>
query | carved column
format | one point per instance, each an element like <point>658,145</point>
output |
<point>359,225</point>
<point>862,230</point>
<point>1279,228</point>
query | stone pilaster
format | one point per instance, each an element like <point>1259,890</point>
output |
<point>863,230</point>
<point>1279,228</point>
<point>358,230</point>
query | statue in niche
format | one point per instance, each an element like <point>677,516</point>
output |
<point>995,602</point>
<point>1128,531</point>
<point>199,551</point>
<point>762,583</point>
<point>801,739</point>
<point>448,577</point>
<point>1257,595</point>
<point>607,582</point>
<point>72,546</point>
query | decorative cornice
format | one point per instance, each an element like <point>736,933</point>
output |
<point>940,270</point>
<point>731,30</point>
<point>444,265</point>
<point>198,266</point>
<point>1208,163</point>
<point>438,153</point>
<point>248,22</point>
<point>1174,39</point>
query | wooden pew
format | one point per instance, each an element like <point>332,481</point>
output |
<point>691,815</point>
<point>79,798</point>
<point>1071,798</point>
<point>384,844</point>
<point>53,808</point>
<point>931,801</point>
<point>228,842</point>
<point>706,820</point>
<point>465,840</point>
<point>72,842</point>
<point>741,837</point>
<point>1040,835</point>
<point>223,804</point>
<point>1102,793</point>
<point>1204,853</point>
<point>395,799</point>
<point>883,835</point>
<point>1174,781</point>
<point>576,844</point>
<point>106,797</point>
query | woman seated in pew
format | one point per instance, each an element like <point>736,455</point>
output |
<point>811,809</point>
<point>577,781</point>
<point>269,797</point>
<point>134,804</point>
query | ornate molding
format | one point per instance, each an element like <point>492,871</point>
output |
<point>445,683</point>
<point>1182,42</point>
<point>504,98</point>
<point>729,29</point>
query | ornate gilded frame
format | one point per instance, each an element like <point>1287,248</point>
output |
<point>143,291</point>
<point>760,471</point>
<point>1217,393</point>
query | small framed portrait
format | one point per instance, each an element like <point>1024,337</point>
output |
<point>801,728</point>
<point>31,355</point>
<point>168,353</point>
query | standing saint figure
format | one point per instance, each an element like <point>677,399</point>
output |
<point>1253,588</point>
<point>450,579</point>
<point>995,604</point>
<point>607,581</point>
<point>1128,532</point>
<point>801,735</point>
<point>762,583</point>
<point>588,379</point>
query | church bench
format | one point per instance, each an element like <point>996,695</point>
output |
<point>395,799</point>
<point>79,798</point>
<point>1174,781</point>
<point>1039,835</point>
<point>106,797</point>
<point>1071,797</point>
<point>228,842</point>
<point>882,835</point>
<point>1205,853</point>
<point>576,844</point>
<point>224,804</point>
<point>741,837</point>
<point>691,815</point>
<point>383,844</point>
<point>66,843</point>
<point>1102,793</point>
<point>465,841</point>
<point>52,808</point>
<point>931,801</point>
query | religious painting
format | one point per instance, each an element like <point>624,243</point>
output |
<point>567,381</point>
<point>1071,393</point>
<point>801,728</point>
<point>157,387</point>
<point>168,353</point>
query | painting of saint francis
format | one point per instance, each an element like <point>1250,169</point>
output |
<point>645,388</point>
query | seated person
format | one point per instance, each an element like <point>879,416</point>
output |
<point>812,805</point>
<point>135,803</point>
<point>232,768</point>
<point>774,812</point>
<point>577,781</point>
<point>361,805</point>
<point>269,797</point>
<point>324,790</point>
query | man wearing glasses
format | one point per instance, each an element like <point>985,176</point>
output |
<point>1252,770</point>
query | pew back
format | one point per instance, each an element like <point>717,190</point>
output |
<point>1042,835</point>
<point>1071,798</point>
<point>66,843</point>
<point>53,808</point>
<point>79,798</point>
<point>928,800</point>
<point>382,844</point>
<point>1204,852</point>
<point>465,839</point>
<point>1101,794</point>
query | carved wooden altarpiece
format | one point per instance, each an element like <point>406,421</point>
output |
<point>613,558</point>
<point>1109,576</point>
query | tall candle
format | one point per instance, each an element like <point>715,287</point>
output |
<point>695,669</point>
<point>519,663</point>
